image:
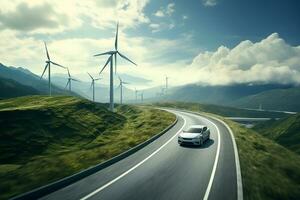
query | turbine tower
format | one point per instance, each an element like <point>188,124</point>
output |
<point>69,82</point>
<point>112,54</point>
<point>48,65</point>
<point>136,94</point>
<point>121,89</point>
<point>142,97</point>
<point>167,78</point>
<point>93,84</point>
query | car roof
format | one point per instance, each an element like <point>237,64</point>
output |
<point>197,126</point>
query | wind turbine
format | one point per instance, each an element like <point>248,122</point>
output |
<point>167,78</point>
<point>121,89</point>
<point>142,97</point>
<point>48,65</point>
<point>93,84</point>
<point>136,94</point>
<point>70,79</point>
<point>112,54</point>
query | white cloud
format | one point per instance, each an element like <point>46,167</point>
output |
<point>36,16</point>
<point>167,11</point>
<point>155,27</point>
<point>151,55</point>
<point>185,17</point>
<point>170,9</point>
<point>209,3</point>
<point>159,13</point>
<point>271,60</point>
<point>48,16</point>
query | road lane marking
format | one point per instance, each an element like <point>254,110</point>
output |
<point>212,176</point>
<point>237,161</point>
<point>134,167</point>
<point>236,156</point>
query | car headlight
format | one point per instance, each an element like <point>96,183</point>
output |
<point>198,136</point>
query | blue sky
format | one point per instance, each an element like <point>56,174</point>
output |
<point>184,39</point>
<point>232,21</point>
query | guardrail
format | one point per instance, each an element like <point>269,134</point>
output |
<point>52,187</point>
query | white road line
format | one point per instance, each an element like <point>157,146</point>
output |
<point>240,195</point>
<point>237,161</point>
<point>134,167</point>
<point>212,176</point>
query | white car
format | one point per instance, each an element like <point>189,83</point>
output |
<point>195,135</point>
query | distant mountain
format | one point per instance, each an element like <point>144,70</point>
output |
<point>222,95</point>
<point>27,78</point>
<point>84,89</point>
<point>277,99</point>
<point>285,131</point>
<point>10,88</point>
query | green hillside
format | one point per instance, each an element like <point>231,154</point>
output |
<point>285,131</point>
<point>10,88</point>
<point>46,138</point>
<point>279,99</point>
<point>269,170</point>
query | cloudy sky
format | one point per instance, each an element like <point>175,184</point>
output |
<point>213,42</point>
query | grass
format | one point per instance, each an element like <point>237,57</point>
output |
<point>269,170</point>
<point>45,138</point>
<point>285,131</point>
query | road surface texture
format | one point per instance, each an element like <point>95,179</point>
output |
<point>166,170</point>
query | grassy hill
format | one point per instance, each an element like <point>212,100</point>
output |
<point>43,138</point>
<point>278,99</point>
<point>10,88</point>
<point>285,131</point>
<point>269,170</point>
<point>222,110</point>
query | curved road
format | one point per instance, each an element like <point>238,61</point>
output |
<point>165,170</point>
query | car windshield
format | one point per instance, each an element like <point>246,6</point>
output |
<point>194,130</point>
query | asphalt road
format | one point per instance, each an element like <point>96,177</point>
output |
<point>165,170</point>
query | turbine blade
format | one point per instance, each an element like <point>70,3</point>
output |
<point>73,79</point>
<point>67,83</point>
<point>105,53</point>
<point>126,58</point>
<point>47,51</point>
<point>58,65</point>
<point>126,83</point>
<point>108,60</point>
<point>119,79</point>
<point>68,73</point>
<point>116,40</point>
<point>91,76</point>
<point>44,70</point>
<point>97,79</point>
